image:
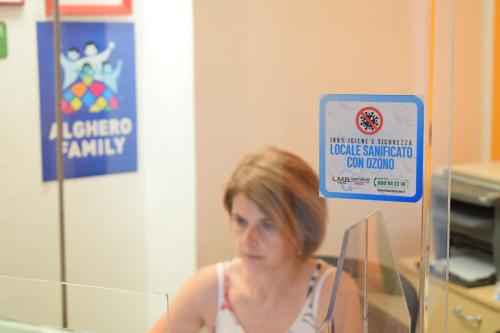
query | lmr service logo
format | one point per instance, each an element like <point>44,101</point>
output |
<point>98,99</point>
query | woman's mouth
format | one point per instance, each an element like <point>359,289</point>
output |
<point>252,256</point>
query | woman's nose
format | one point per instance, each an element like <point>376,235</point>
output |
<point>250,235</point>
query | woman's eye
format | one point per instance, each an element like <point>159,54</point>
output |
<point>268,226</point>
<point>240,222</point>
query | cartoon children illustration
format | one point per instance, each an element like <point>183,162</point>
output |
<point>90,82</point>
<point>94,58</point>
<point>70,68</point>
<point>110,75</point>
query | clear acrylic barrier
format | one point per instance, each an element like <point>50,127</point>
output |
<point>437,288</point>
<point>369,295</point>
<point>269,63</point>
<point>89,309</point>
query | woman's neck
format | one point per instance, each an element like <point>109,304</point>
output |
<point>275,282</point>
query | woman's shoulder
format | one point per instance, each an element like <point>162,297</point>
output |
<point>324,286</point>
<point>205,279</point>
<point>196,302</point>
<point>347,287</point>
<point>329,273</point>
<point>201,289</point>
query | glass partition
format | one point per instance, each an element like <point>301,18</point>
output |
<point>158,101</point>
<point>420,38</point>
<point>105,82</point>
<point>30,305</point>
<point>369,294</point>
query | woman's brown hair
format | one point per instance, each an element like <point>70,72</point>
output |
<point>286,189</point>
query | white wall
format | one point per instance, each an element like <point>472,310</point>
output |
<point>169,150</point>
<point>130,231</point>
<point>28,208</point>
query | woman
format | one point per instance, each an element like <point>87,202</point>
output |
<point>274,285</point>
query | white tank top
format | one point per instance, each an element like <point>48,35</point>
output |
<point>226,321</point>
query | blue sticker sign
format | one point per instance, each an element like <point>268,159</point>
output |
<point>98,101</point>
<point>371,147</point>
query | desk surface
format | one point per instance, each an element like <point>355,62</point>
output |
<point>482,295</point>
<point>10,326</point>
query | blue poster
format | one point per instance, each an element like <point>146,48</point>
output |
<point>371,147</point>
<point>98,101</point>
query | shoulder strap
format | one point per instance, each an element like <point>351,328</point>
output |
<point>220,283</point>
<point>223,286</point>
<point>312,280</point>
<point>317,294</point>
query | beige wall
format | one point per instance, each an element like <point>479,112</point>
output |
<point>472,95</point>
<point>260,68</point>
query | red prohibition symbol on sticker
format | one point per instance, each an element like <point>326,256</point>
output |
<point>369,120</point>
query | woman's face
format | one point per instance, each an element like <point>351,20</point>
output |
<point>260,243</point>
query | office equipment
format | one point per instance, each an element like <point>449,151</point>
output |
<point>467,270</point>
<point>468,309</point>
<point>474,217</point>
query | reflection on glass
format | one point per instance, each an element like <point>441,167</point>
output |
<point>385,301</point>
<point>90,309</point>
